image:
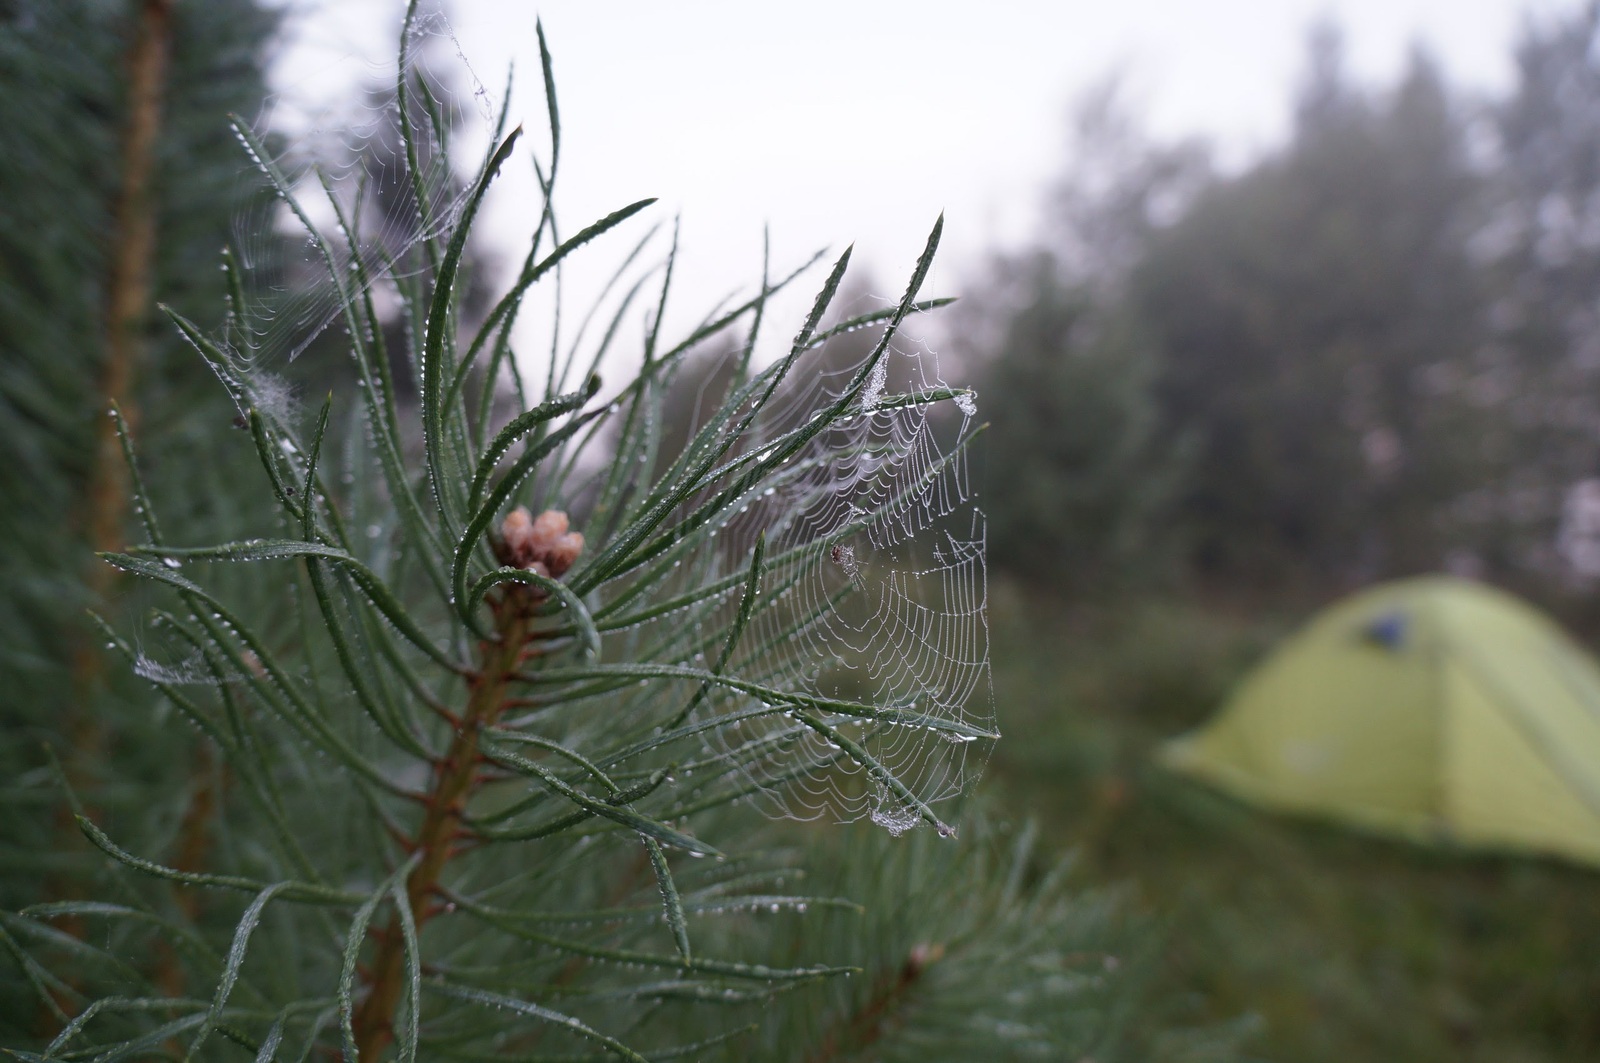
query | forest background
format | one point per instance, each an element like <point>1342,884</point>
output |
<point>1220,396</point>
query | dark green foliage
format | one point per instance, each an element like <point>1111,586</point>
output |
<point>989,950</point>
<point>61,121</point>
<point>63,107</point>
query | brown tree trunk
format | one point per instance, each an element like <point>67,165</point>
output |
<point>105,500</point>
<point>128,283</point>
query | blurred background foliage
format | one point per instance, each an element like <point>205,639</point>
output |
<point>1220,395</point>
<point>1367,353</point>
<point>1223,396</point>
<point>62,122</point>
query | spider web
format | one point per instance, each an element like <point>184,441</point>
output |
<point>881,599</point>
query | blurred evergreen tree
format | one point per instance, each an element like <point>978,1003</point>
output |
<point>1080,472</point>
<point>1120,188</point>
<point>1372,351</point>
<point>1542,246</point>
<point>1078,481</point>
<point>1306,311</point>
<point>63,125</point>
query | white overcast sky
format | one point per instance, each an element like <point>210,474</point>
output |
<point>860,120</point>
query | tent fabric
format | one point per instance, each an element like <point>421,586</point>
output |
<point>1433,708</point>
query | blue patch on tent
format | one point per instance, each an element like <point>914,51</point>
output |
<point>1387,630</point>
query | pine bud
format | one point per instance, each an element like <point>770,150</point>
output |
<point>564,551</point>
<point>517,531</point>
<point>548,528</point>
<point>540,544</point>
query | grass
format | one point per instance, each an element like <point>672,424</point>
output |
<point>1343,946</point>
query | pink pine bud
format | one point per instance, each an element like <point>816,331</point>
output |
<point>564,552</point>
<point>548,527</point>
<point>517,531</point>
<point>540,544</point>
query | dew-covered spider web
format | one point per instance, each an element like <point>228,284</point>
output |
<point>879,598</point>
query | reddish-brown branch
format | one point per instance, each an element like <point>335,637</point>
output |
<point>444,714</point>
<point>873,1019</point>
<point>455,780</point>
<point>128,280</point>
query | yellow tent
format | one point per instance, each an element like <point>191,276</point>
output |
<point>1432,708</point>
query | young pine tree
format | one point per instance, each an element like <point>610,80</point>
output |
<point>485,699</point>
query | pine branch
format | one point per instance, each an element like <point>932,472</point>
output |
<point>354,659</point>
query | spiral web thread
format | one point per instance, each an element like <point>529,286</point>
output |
<point>887,554</point>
